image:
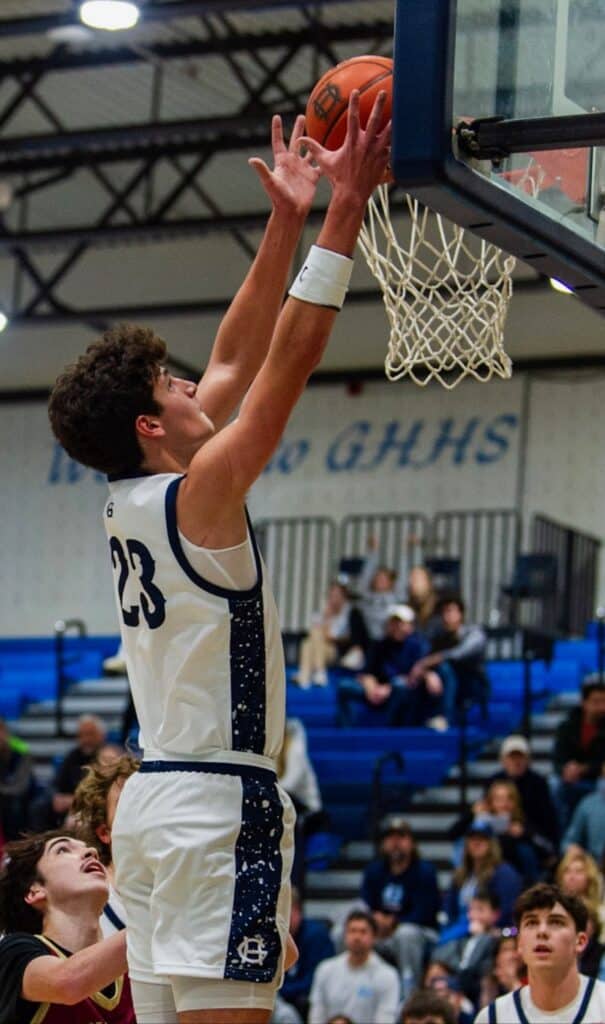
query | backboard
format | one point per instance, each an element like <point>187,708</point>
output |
<point>499,124</point>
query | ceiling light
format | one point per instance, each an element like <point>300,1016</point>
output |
<point>111,15</point>
<point>69,34</point>
<point>560,286</point>
<point>3,320</point>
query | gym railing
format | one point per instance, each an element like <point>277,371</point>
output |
<point>62,659</point>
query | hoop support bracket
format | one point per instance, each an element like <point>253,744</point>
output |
<point>494,138</point>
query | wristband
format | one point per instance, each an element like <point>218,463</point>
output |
<point>323,278</point>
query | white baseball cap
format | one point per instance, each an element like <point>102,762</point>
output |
<point>514,745</point>
<point>401,611</point>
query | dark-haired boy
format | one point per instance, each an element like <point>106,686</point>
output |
<point>54,965</point>
<point>454,672</point>
<point>425,1007</point>
<point>579,749</point>
<point>551,936</point>
<point>471,956</point>
<point>202,839</point>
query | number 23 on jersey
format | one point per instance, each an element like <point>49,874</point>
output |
<point>134,564</point>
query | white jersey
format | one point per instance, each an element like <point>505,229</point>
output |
<point>205,662</point>
<point>518,1007</point>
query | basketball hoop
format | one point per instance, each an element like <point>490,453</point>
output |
<point>446,301</point>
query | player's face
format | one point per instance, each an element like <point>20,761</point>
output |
<point>548,940</point>
<point>182,418</point>
<point>71,870</point>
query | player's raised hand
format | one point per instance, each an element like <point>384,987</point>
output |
<point>362,162</point>
<point>292,182</point>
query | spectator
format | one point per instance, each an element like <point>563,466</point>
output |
<point>294,769</point>
<point>356,983</point>
<point>579,750</point>
<point>482,867</point>
<point>284,1013</point>
<point>587,826</point>
<point>54,810</point>
<point>454,672</point>
<point>471,956</point>
<point>16,784</point>
<point>536,799</point>
<point>400,889</point>
<point>52,965</point>
<point>552,934</point>
<point>427,1008</point>
<point>385,682</point>
<point>422,598</point>
<point>115,665</point>
<point>378,590</point>
<point>442,981</point>
<point>508,970</point>
<point>501,808</point>
<point>94,807</point>
<point>338,636</point>
<point>297,776</point>
<point>314,945</point>
<point>591,957</point>
<point>578,875</point>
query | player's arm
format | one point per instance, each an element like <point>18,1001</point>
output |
<point>245,333</point>
<point>66,982</point>
<point>232,461</point>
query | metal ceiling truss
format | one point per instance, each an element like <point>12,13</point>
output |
<point>139,210</point>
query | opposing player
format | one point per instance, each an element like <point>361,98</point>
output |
<point>54,965</point>
<point>94,810</point>
<point>202,838</point>
<point>551,936</point>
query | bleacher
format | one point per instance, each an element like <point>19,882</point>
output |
<point>362,771</point>
<point>346,760</point>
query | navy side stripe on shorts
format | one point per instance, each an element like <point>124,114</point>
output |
<point>254,947</point>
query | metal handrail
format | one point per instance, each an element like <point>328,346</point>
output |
<point>60,629</point>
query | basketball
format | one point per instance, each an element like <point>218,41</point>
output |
<point>326,113</point>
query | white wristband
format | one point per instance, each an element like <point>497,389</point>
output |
<point>323,278</point>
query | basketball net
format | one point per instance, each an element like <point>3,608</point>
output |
<point>446,304</point>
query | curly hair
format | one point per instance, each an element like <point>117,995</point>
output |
<point>90,799</point>
<point>18,873</point>
<point>95,402</point>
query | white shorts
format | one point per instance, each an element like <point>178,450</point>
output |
<point>203,866</point>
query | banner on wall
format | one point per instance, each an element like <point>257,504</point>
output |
<point>384,449</point>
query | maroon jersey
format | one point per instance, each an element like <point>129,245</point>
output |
<point>111,1006</point>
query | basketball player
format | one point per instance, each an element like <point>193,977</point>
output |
<point>94,809</point>
<point>551,935</point>
<point>202,838</point>
<point>54,965</point>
